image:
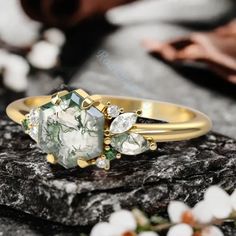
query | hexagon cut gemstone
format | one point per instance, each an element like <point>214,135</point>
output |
<point>70,133</point>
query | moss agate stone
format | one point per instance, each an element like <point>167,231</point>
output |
<point>70,133</point>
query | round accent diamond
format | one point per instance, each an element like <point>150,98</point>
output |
<point>113,111</point>
<point>102,163</point>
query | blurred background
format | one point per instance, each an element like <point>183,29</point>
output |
<point>180,51</point>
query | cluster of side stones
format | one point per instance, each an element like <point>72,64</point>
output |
<point>31,123</point>
<point>122,140</point>
<point>70,133</point>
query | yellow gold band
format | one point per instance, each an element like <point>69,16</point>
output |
<point>182,123</point>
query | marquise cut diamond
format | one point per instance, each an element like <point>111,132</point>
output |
<point>123,123</point>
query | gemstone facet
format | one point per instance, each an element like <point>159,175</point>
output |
<point>129,143</point>
<point>70,133</point>
<point>123,123</point>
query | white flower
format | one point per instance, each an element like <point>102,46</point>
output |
<point>211,231</point>
<point>120,222</point>
<point>148,233</point>
<point>55,36</point>
<point>180,230</point>
<point>16,71</point>
<point>233,199</point>
<point>219,202</point>
<point>202,213</point>
<point>103,229</point>
<point>43,55</point>
<point>16,28</point>
<point>123,219</point>
<point>176,209</point>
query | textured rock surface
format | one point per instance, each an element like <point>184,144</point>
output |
<point>180,170</point>
<point>16,223</point>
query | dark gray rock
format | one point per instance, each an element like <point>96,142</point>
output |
<point>16,223</point>
<point>181,170</point>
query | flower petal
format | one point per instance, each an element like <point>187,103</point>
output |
<point>180,230</point>
<point>202,213</point>
<point>218,201</point>
<point>123,220</point>
<point>148,233</point>
<point>16,72</point>
<point>176,210</point>
<point>43,55</point>
<point>55,36</point>
<point>233,199</point>
<point>212,231</point>
<point>103,229</point>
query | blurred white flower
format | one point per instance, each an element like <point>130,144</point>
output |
<point>218,201</point>
<point>15,71</point>
<point>16,28</point>
<point>123,219</point>
<point>211,231</point>
<point>180,230</point>
<point>216,207</point>
<point>202,213</point>
<point>176,209</point>
<point>103,229</point>
<point>170,11</point>
<point>55,36</point>
<point>120,222</point>
<point>43,55</point>
<point>233,199</point>
<point>217,204</point>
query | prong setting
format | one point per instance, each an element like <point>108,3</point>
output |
<point>55,99</point>
<point>139,112</point>
<point>152,145</point>
<point>51,159</point>
<point>83,163</point>
<point>87,103</point>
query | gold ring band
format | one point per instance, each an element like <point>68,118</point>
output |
<point>181,123</point>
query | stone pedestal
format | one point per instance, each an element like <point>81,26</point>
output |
<point>177,170</point>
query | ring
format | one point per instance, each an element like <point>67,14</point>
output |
<point>74,128</point>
